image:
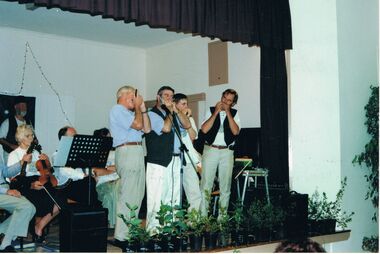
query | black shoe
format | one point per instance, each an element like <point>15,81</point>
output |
<point>39,239</point>
<point>9,248</point>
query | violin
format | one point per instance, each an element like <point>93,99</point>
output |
<point>45,169</point>
<point>20,182</point>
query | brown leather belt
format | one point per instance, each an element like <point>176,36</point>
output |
<point>219,147</point>
<point>130,144</point>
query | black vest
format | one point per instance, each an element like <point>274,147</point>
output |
<point>159,147</point>
<point>228,136</point>
<point>11,135</point>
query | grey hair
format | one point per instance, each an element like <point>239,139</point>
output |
<point>124,89</point>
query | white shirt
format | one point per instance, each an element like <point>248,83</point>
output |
<point>219,139</point>
<point>17,154</point>
<point>63,174</point>
<point>195,157</point>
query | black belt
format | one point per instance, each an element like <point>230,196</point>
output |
<point>176,154</point>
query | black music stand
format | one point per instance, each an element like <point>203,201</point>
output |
<point>83,151</point>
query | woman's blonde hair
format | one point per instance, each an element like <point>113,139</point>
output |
<point>124,89</point>
<point>22,131</point>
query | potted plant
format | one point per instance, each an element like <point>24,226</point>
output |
<point>172,228</point>
<point>224,227</point>
<point>211,226</point>
<point>256,220</point>
<point>239,233</point>
<point>138,237</point>
<point>273,221</point>
<point>324,215</point>
<point>195,223</point>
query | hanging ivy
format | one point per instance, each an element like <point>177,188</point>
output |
<point>370,158</point>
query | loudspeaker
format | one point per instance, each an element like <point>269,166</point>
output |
<point>83,229</point>
<point>296,219</point>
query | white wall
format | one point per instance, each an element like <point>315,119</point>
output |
<point>314,103</point>
<point>184,66</point>
<point>358,44</point>
<point>86,74</point>
<point>333,63</point>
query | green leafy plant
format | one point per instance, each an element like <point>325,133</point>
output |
<point>370,158</point>
<point>195,222</point>
<point>263,215</point>
<point>224,221</point>
<point>237,216</point>
<point>210,222</point>
<point>275,216</point>
<point>371,244</point>
<point>171,221</point>
<point>320,208</point>
<point>370,155</point>
<point>136,233</point>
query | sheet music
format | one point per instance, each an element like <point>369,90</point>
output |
<point>63,151</point>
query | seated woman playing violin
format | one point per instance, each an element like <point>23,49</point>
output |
<point>37,185</point>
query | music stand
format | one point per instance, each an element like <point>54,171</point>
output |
<point>83,151</point>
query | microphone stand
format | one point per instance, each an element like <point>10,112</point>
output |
<point>183,149</point>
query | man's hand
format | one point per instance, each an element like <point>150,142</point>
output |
<point>138,101</point>
<point>26,158</point>
<point>187,112</point>
<point>37,185</point>
<point>226,107</point>
<point>218,107</point>
<point>43,156</point>
<point>14,193</point>
<point>143,107</point>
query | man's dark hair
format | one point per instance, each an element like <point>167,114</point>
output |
<point>62,132</point>
<point>232,91</point>
<point>103,132</point>
<point>179,96</point>
<point>162,88</point>
<point>19,99</point>
<point>299,245</point>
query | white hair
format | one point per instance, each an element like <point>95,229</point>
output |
<point>124,89</point>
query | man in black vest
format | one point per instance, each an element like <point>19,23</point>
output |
<point>9,126</point>
<point>221,127</point>
<point>163,155</point>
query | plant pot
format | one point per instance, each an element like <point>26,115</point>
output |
<point>128,247</point>
<point>143,247</point>
<point>239,237</point>
<point>278,233</point>
<point>263,235</point>
<point>224,239</point>
<point>196,243</point>
<point>251,238</point>
<point>326,226</point>
<point>157,245</point>
<point>210,240</point>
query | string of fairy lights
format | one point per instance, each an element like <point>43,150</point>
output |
<point>28,48</point>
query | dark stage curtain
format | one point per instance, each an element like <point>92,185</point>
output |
<point>265,23</point>
<point>253,22</point>
<point>274,116</point>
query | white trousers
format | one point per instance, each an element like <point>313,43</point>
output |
<point>191,186</point>
<point>22,211</point>
<point>162,185</point>
<point>213,159</point>
<point>129,161</point>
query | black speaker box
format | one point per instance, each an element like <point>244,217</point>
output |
<point>83,229</point>
<point>296,219</point>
